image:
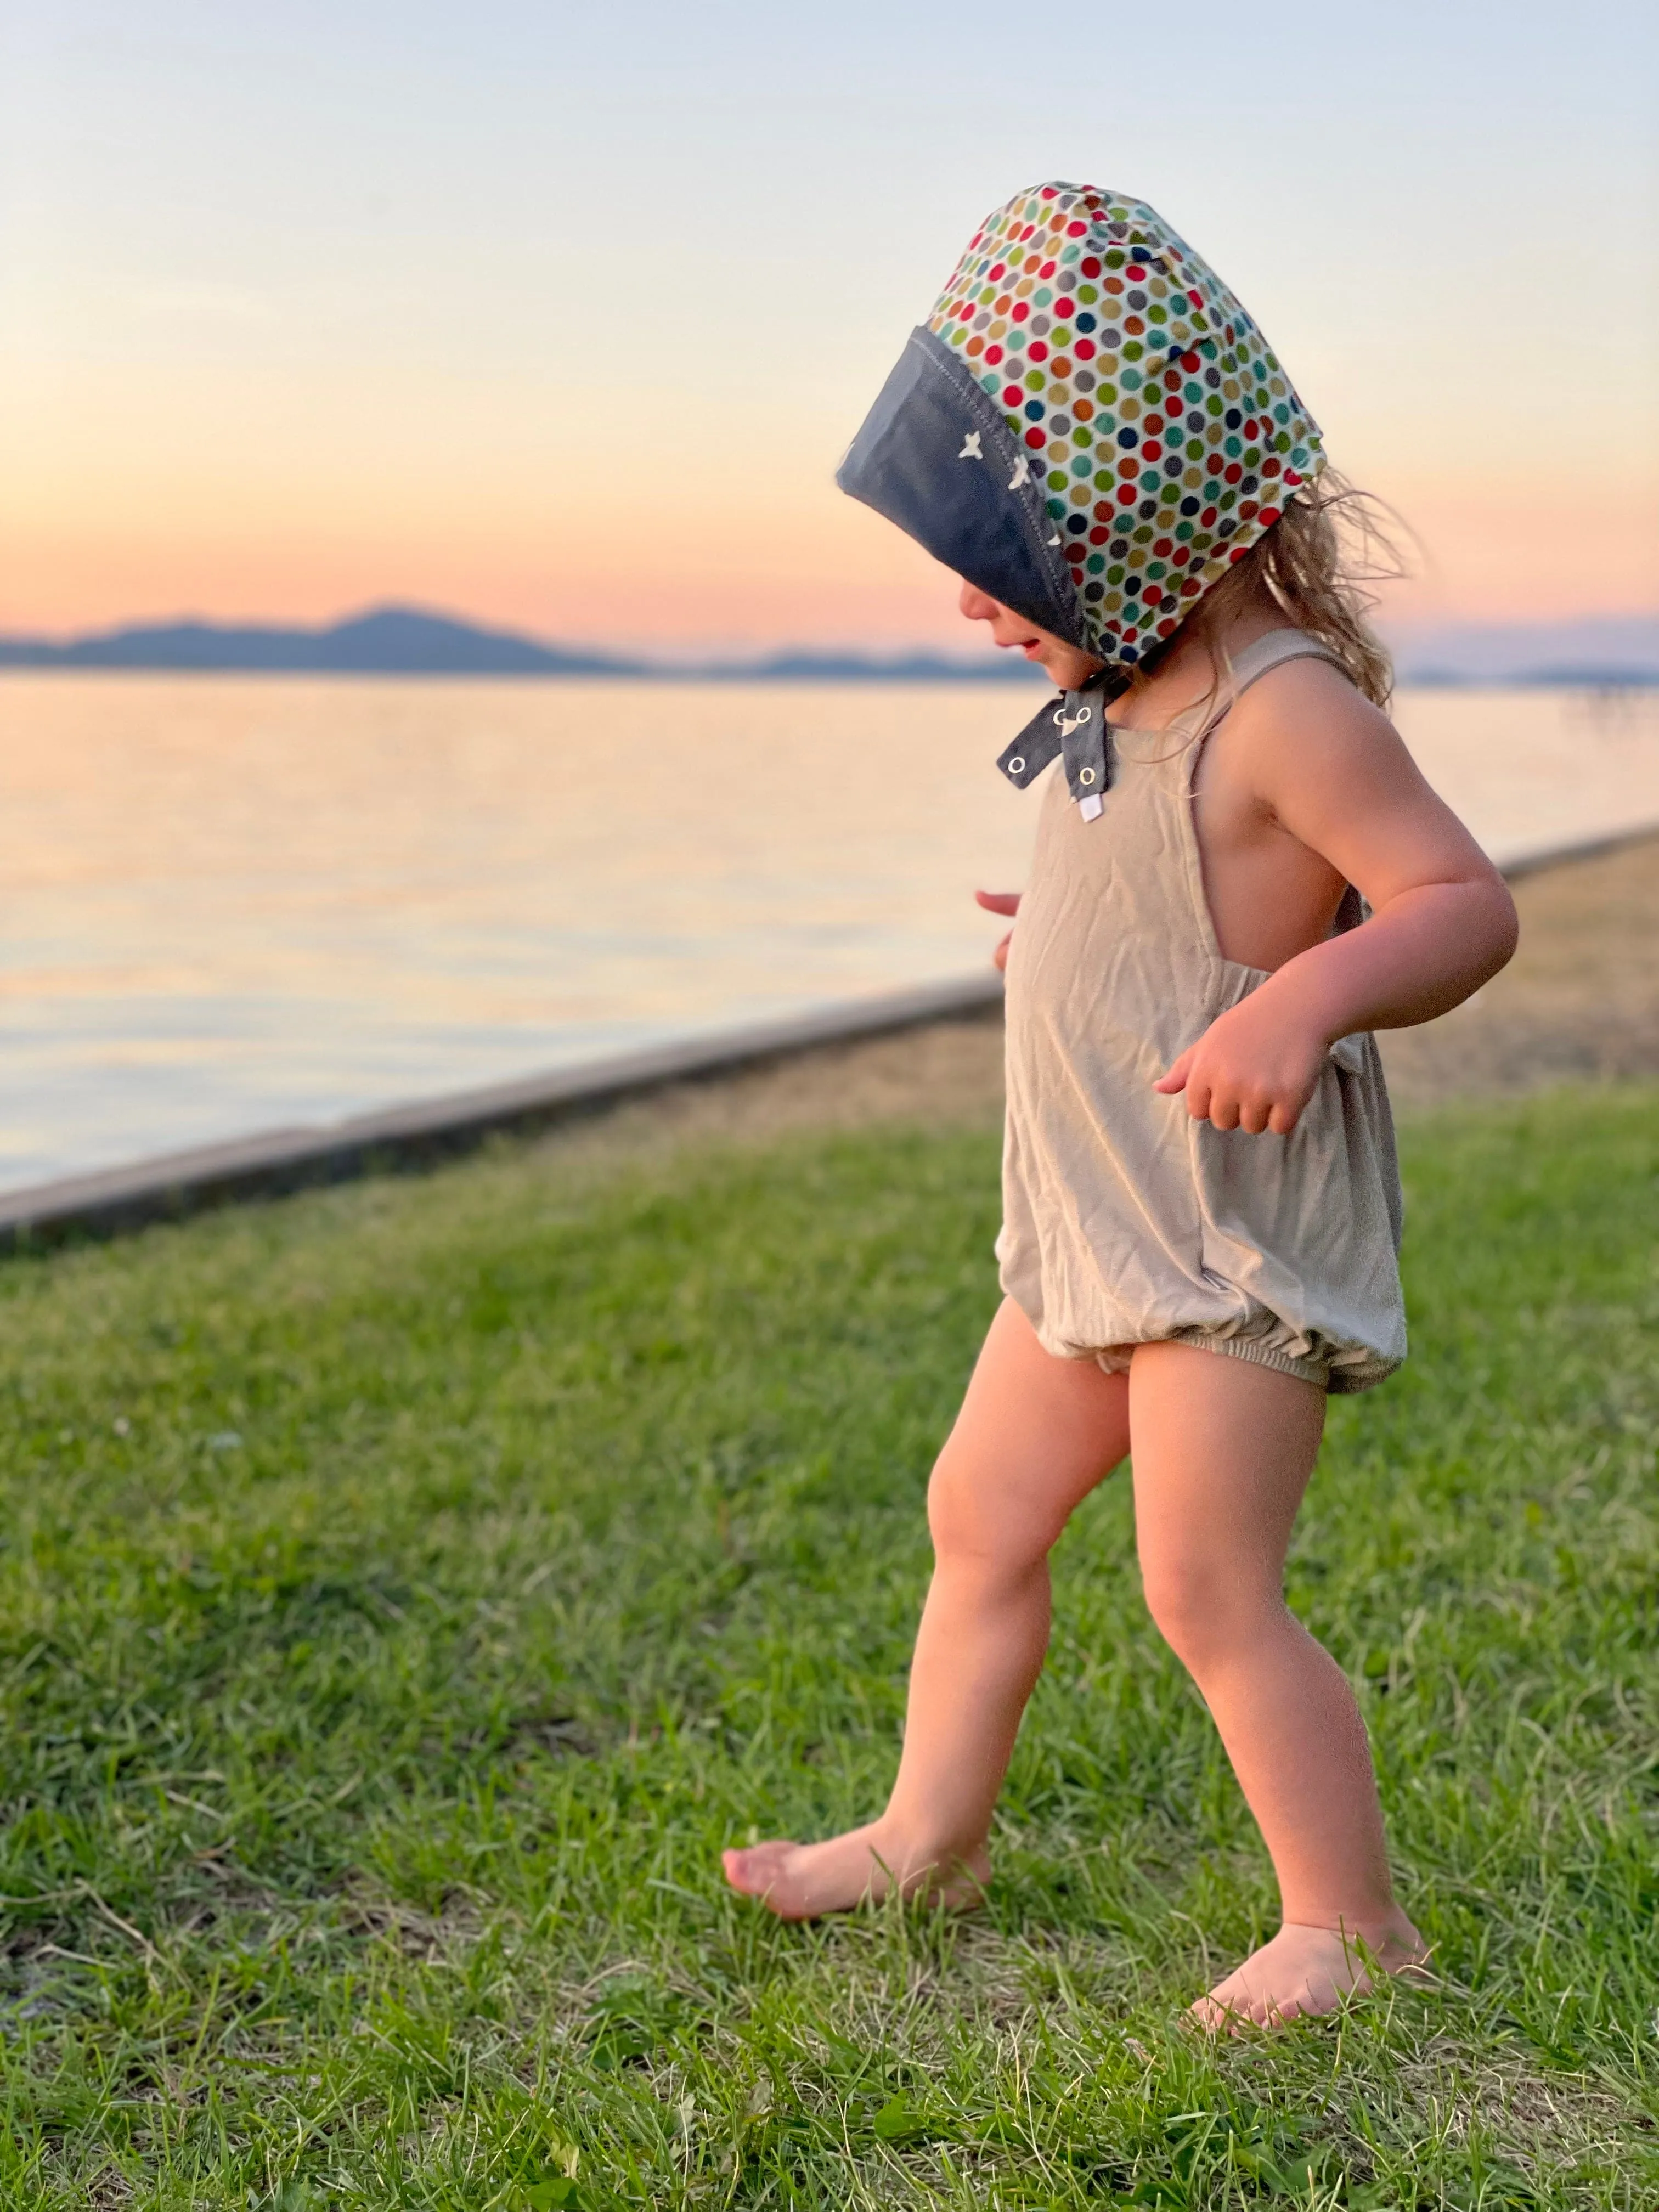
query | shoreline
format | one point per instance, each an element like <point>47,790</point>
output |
<point>928,1052</point>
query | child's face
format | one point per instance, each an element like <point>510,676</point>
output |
<point>1069,666</point>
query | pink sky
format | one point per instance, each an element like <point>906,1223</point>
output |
<point>805,564</point>
<point>563,323</point>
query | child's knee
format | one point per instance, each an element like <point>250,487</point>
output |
<point>1202,1605</point>
<point>971,1522</point>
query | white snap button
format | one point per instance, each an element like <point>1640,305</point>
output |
<point>1017,767</point>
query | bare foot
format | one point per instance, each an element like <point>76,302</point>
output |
<point>797,1881</point>
<point>1309,1970</point>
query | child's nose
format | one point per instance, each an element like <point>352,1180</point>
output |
<point>977,605</point>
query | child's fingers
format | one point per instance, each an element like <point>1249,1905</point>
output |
<point>999,958</point>
<point>998,902</point>
<point>1176,1078</point>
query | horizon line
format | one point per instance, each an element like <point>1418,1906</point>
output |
<point>404,638</point>
<point>483,625</point>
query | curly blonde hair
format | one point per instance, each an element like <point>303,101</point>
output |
<point>1316,561</point>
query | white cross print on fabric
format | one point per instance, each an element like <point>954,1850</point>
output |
<point>1022,474</point>
<point>970,451</point>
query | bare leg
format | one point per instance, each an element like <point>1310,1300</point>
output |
<point>1034,1436</point>
<point>1223,1450</point>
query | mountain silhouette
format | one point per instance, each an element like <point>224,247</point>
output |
<point>397,640</point>
<point>386,642</point>
<point>410,642</point>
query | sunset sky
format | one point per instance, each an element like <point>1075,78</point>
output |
<point>561,317</point>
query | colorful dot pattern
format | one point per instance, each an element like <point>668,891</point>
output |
<point>1168,433</point>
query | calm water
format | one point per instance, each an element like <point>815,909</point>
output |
<point>232,904</point>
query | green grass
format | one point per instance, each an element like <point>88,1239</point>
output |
<point>405,1590</point>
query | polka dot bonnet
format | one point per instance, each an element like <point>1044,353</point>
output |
<point>1088,426</point>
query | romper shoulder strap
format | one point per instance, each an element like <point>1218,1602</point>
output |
<point>1267,653</point>
<point>1272,651</point>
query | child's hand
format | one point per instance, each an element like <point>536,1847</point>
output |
<point>999,903</point>
<point>1255,1068</point>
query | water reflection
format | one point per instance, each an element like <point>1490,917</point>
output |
<point>236,904</point>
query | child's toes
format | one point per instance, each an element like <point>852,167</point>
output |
<point>1222,2013</point>
<point>756,1870</point>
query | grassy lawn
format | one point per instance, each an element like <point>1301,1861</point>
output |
<point>406,1589</point>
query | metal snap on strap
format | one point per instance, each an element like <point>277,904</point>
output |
<point>1017,766</point>
<point>1085,776</point>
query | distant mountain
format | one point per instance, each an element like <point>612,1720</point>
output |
<point>409,642</point>
<point>387,641</point>
<point>1605,649</point>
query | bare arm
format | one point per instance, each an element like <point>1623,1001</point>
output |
<point>1331,772</point>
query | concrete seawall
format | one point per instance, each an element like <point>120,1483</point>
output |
<point>429,1131</point>
<point>432,1129</point>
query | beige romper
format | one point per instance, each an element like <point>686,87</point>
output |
<point>1125,1221</point>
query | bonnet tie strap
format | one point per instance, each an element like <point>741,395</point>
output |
<point>1072,723</point>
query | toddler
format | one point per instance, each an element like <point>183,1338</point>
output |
<point>1239,874</point>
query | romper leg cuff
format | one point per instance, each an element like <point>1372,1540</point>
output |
<point>1315,1371</point>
